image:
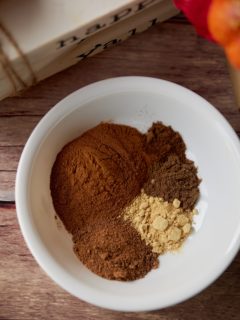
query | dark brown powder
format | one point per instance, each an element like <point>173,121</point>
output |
<point>174,176</point>
<point>161,141</point>
<point>174,179</point>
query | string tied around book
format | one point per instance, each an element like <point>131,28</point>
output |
<point>17,82</point>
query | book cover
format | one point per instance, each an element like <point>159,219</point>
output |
<point>56,49</point>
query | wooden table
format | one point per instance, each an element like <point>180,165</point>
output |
<point>169,51</point>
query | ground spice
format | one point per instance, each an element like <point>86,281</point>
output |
<point>93,178</point>
<point>114,250</point>
<point>164,226</point>
<point>174,179</point>
<point>162,141</point>
<point>98,175</point>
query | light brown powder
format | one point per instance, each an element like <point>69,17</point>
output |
<point>164,226</point>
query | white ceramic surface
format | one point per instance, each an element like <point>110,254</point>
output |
<point>211,143</point>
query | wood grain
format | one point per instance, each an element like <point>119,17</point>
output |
<point>27,293</point>
<point>170,51</point>
<point>9,157</point>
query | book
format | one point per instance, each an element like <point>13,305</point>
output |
<point>57,46</point>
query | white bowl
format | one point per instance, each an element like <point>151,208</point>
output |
<point>211,143</point>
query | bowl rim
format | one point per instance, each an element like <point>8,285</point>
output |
<point>56,114</point>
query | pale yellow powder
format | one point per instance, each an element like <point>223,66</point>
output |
<point>163,225</point>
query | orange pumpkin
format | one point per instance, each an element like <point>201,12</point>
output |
<point>224,25</point>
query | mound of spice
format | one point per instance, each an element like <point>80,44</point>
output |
<point>174,179</point>
<point>96,184</point>
<point>93,178</point>
<point>113,249</point>
<point>161,224</point>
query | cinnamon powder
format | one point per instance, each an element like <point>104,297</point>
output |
<point>98,174</point>
<point>93,178</point>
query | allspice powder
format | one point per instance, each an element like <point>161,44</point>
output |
<point>174,176</point>
<point>162,141</point>
<point>174,179</point>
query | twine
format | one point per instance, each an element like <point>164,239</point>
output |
<point>14,77</point>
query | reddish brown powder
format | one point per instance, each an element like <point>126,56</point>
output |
<point>98,174</point>
<point>114,250</point>
<point>93,178</point>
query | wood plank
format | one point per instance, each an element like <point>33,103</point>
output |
<point>9,157</point>
<point>7,185</point>
<point>15,131</point>
<point>26,293</point>
<point>235,76</point>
